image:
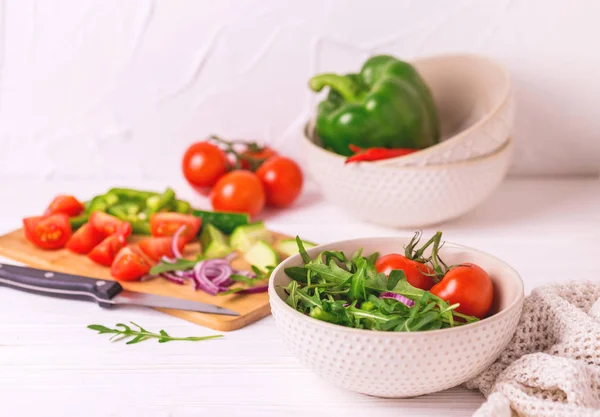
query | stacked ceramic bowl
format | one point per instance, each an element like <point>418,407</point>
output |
<point>475,104</point>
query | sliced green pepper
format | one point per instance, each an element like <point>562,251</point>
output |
<point>140,227</point>
<point>129,194</point>
<point>182,206</point>
<point>98,203</point>
<point>125,211</point>
<point>158,202</point>
<point>78,221</point>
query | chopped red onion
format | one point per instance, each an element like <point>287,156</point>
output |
<point>173,278</point>
<point>168,260</point>
<point>201,281</point>
<point>254,290</point>
<point>398,297</point>
<point>174,248</point>
<point>148,278</point>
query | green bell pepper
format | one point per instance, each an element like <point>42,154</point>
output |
<point>386,105</point>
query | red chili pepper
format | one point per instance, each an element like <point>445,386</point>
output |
<point>377,154</point>
<point>355,148</point>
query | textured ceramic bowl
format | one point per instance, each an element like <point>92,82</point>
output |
<point>476,107</point>
<point>394,364</point>
<point>407,196</point>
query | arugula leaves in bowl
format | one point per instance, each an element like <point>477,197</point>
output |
<point>349,291</point>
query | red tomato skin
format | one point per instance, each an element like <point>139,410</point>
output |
<point>415,271</point>
<point>106,224</point>
<point>65,204</point>
<point>129,265</point>
<point>469,285</point>
<point>264,154</point>
<point>84,239</point>
<point>48,232</point>
<point>239,192</point>
<point>166,224</point>
<point>157,247</point>
<point>203,164</point>
<point>282,179</point>
<point>105,252</point>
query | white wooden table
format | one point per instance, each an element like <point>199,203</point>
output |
<point>51,365</point>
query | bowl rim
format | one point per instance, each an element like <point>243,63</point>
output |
<point>494,154</point>
<point>275,299</point>
<point>443,144</point>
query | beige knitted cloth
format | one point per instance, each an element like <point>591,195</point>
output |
<point>551,366</point>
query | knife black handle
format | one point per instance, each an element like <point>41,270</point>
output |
<point>58,284</point>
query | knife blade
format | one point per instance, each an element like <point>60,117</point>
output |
<point>106,293</point>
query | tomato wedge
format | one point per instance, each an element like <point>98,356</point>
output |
<point>157,247</point>
<point>84,239</point>
<point>108,225</point>
<point>166,224</point>
<point>65,204</point>
<point>105,252</point>
<point>129,265</point>
<point>48,232</point>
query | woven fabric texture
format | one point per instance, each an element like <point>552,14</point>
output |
<point>551,367</point>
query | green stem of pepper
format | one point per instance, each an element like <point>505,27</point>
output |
<point>344,86</point>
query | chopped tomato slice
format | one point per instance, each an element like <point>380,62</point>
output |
<point>108,225</point>
<point>124,229</point>
<point>48,232</point>
<point>166,224</point>
<point>129,265</point>
<point>84,239</point>
<point>105,252</point>
<point>157,247</point>
<point>65,204</point>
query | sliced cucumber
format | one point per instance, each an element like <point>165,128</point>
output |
<point>289,247</point>
<point>261,255</point>
<point>243,237</point>
<point>214,242</point>
<point>225,222</point>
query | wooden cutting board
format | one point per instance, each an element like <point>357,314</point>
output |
<point>251,307</point>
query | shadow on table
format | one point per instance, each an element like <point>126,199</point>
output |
<point>519,201</point>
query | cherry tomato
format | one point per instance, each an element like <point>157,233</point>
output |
<point>262,154</point>
<point>469,285</point>
<point>282,180</point>
<point>239,191</point>
<point>108,225</point>
<point>84,239</point>
<point>416,272</point>
<point>129,265</point>
<point>65,204</point>
<point>157,247</point>
<point>104,253</point>
<point>203,164</point>
<point>48,232</point>
<point>166,224</point>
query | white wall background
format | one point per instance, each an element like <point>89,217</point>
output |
<point>118,89</point>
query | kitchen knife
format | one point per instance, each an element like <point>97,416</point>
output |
<point>104,292</point>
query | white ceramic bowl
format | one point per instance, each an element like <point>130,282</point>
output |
<point>475,104</point>
<point>395,364</point>
<point>407,196</point>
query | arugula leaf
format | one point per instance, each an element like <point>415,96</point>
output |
<point>123,331</point>
<point>179,265</point>
<point>329,273</point>
<point>395,276</point>
<point>297,273</point>
<point>305,257</point>
<point>357,283</point>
